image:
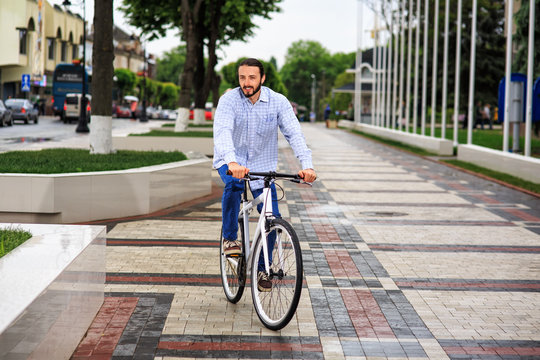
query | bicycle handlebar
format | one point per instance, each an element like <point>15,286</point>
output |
<point>269,174</point>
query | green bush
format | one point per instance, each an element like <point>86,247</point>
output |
<point>11,238</point>
<point>57,161</point>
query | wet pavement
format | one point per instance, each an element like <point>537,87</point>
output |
<point>51,132</point>
<point>403,258</point>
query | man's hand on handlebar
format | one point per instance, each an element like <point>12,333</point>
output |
<point>308,175</point>
<point>238,171</point>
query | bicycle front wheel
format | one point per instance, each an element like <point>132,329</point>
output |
<point>233,269</point>
<point>276,306</point>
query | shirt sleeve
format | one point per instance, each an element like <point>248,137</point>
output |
<point>290,128</point>
<point>223,131</point>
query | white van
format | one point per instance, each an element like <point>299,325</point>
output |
<point>72,105</point>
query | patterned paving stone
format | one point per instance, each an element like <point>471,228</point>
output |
<point>404,258</point>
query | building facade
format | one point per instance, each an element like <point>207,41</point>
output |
<point>36,36</point>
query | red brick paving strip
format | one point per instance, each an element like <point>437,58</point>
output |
<point>341,264</point>
<point>366,315</point>
<point>237,346</point>
<point>489,350</point>
<point>326,233</point>
<point>106,329</point>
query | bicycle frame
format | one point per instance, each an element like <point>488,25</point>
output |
<point>266,213</point>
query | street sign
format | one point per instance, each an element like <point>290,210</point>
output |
<point>25,82</point>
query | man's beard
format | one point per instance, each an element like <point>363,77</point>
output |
<point>254,92</point>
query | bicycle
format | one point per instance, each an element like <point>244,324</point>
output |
<point>284,268</point>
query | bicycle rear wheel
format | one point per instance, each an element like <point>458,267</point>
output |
<point>233,269</point>
<point>276,308</point>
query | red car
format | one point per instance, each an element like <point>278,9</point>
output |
<point>123,112</point>
<point>207,114</point>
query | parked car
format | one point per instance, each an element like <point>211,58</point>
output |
<point>123,112</point>
<point>72,106</point>
<point>6,116</point>
<point>207,114</point>
<point>23,109</point>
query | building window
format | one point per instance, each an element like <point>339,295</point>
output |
<point>63,52</point>
<point>23,41</point>
<point>74,51</point>
<point>50,47</point>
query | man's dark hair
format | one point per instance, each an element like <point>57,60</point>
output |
<point>253,62</point>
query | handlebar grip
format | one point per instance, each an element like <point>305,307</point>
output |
<point>229,172</point>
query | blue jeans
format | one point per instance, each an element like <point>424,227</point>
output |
<point>230,207</point>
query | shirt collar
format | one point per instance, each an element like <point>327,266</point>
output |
<point>264,97</point>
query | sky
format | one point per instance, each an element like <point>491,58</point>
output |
<point>333,23</point>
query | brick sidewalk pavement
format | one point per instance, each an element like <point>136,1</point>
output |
<point>403,258</point>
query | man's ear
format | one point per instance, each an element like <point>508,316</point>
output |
<point>263,78</point>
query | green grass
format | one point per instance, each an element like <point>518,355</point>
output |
<point>11,238</point>
<point>486,137</point>
<point>177,134</point>
<point>398,144</point>
<point>528,185</point>
<point>492,139</point>
<point>58,161</point>
<point>190,125</point>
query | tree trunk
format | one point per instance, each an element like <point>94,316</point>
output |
<point>102,79</point>
<point>189,17</point>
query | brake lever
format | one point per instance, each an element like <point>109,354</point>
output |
<point>301,182</point>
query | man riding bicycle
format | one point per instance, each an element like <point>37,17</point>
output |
<point>245,138</point>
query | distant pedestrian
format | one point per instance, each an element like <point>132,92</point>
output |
<point>487,115</point>
<point>478,115</point>
<point>327,112</point>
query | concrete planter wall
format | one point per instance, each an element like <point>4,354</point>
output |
<point>436,145</point>
<point>81,197</point>
<point>203,145</point>
<point>517,165</point>
<point>52,287</point>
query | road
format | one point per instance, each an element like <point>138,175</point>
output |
<point>51,132</point>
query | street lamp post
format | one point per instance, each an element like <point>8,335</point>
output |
<point>82,126</point>
<point>144,118</point>
<point>312,116</point>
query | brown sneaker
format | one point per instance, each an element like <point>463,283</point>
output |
<point>263,283</point>
<point>232,247</point>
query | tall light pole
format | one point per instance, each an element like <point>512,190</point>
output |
<point>144,118</point>
<point>82,126</point>
<point>313,80</point>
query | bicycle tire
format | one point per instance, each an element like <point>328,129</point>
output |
<point>277,307</point>
<point>233,269</point>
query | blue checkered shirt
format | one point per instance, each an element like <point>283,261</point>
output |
<point>247,133</point>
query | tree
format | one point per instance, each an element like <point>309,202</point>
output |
<point>521,37</point>
<point>171,64</point>
<point>102,63</point>
<point>210,23</point>
<point>125,81</point>
<point>169,96</point>
<point>305,57</point>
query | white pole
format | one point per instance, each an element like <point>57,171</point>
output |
<point>530,65</point>
<point>396,51</point>
<point>434,68</point>
<point>409,54</point>
<point>383,79</point>
<point>401,66</point>
<point>445,68</point>
<point>389,73</point>
<point>416,67</point>
<point>508,70</point>
<point>457,74</point>
<point>472,75</point>
<point>424,69</point>
<point>374,75</point>
<point>358,74</point>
